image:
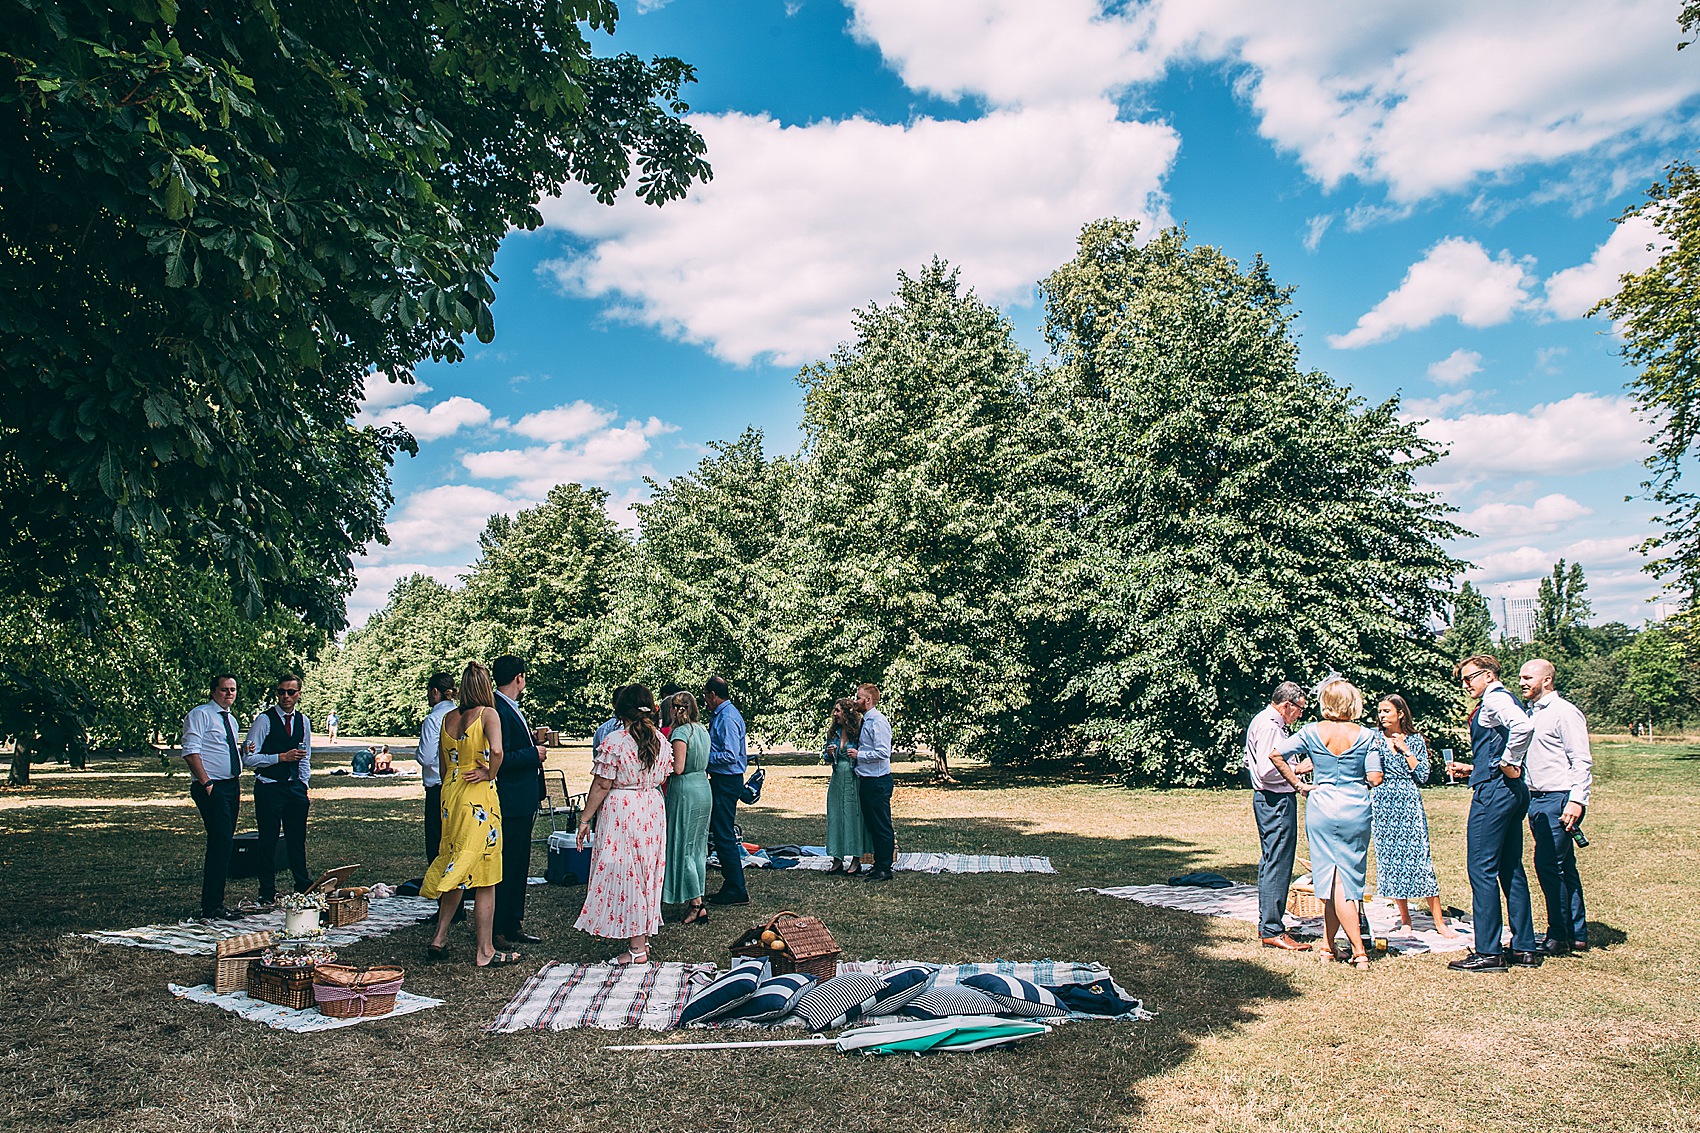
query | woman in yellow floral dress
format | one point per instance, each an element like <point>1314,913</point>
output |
<point>471,852</point>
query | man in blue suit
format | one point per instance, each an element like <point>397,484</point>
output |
<point>519,788</point>
<point>1499,801</point>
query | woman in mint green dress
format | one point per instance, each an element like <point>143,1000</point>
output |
<point>846,837</point>
<point>689,803</point>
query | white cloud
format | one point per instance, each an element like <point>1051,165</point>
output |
<point>1455,367</point>
<point>1517,564</point>
<point>1633,246</point>
<point>380,392</point>
<point>442,522</point>
<point>804,223</point>
<point>1427,407</point>
<point>1586,432</point>
<point>373,585</point>
<point>562,423</point>
<point>1456,277</point>
<point>441,420</point>
<point>1314,229</point>
<point>1518,521</point>
<point>607,455</point>
<point>1423,98</point>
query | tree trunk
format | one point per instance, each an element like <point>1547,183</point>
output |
<point>941,764</point>
<point>20,776</point>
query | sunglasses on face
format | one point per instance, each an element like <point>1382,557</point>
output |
<point>289,692</point>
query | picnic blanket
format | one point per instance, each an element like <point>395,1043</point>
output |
<point>200,938</point>
<point>289,1018</point>
<point>1239,902</point>
<point>943,863</point>
<point>563,996</point>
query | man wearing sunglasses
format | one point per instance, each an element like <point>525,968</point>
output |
<point>1499,801</point>
<point>280,750</point>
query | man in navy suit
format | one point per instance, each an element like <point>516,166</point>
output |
<point>519,788</point>
<point>1499,800</point>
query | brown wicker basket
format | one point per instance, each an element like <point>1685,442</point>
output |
<point>286,987</point>
<point>346,992</point>
<point>343,908</point>
<point>235,954</point>
<point>1302,900</point>
<point>805,946</point>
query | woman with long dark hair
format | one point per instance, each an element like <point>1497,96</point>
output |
<point>1404,867</point>
<point>846,837</point>
<point>628,861</point>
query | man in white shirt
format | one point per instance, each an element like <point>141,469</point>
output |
<point>439,694</point>
<point>280,750</point>
<point>1275,806</point>
<point>1559,768</point>
<point>874,782</point>
<point>215,785</point>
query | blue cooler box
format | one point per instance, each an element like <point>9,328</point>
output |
<point>567,865</point>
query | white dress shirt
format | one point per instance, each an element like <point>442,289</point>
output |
<point>873,746</point>
<point>204,735</point>
<point>262,728</point>
<point>1267,729</point>
<point>430,753</point>
<point>1556,740</point>
<point>1500,707</point>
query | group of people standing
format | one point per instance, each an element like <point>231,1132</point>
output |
<point>1529,760</point>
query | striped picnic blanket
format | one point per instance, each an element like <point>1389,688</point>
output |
<point>951,863</point>
<point>563,996</point>
<point>1239,903</point>
<point>200,938</point>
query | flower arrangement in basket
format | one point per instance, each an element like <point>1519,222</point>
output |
<point>794,943</point>
<point>303,914</point>
<point>356,993</point>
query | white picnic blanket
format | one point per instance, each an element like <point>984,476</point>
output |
<point>1239,902</point>
<point>289,1018</point>
<point>200,938</point>
<point>563,996</point>
<point>950,863</point>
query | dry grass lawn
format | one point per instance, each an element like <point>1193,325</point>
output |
<point>1245,1038</point>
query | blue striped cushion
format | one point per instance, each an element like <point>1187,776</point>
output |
<point>899,986</point>
<point>942,1002</point>
<point>837,1001</point>
<point>774,999</point>
<point>1018,997</point>
<point>725,993</point>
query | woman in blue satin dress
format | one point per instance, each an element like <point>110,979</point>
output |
<point>1347,762</point>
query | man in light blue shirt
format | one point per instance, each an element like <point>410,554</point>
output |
<point>873,780</point>
<point>727,757</point>
<point>439,694</point>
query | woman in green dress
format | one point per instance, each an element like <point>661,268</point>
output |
<point>846,837</point>
<point>689,803</point>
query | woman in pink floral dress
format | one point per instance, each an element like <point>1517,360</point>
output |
<point>629,858</point>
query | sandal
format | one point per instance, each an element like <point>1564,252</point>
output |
<point>630,959</point>
<point>836,866</point>
<point>1360,961</point>
<point>499,960</point>
<point>697,915</point>
<point>853,867</point>
<point>435,954</point>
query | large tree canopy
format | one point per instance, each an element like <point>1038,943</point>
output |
<point>218,218</point>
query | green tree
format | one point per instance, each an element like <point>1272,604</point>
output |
<point>544,581</point>
<point>219,218</point>
<point>1246,521</point>
<point>1471,627</point>
<point>909,524</point>
<point>1654,675</point>
<point>1562,609</point>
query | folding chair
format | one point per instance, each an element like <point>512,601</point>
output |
<point>562,807</point>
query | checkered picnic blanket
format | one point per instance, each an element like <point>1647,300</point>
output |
<point>563,996</point>
<point>951,863</point>
<point>1239,902</point>
<point>200,938</point>
<point>289,1018</point>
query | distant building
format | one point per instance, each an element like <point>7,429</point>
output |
<point>1512,605</point>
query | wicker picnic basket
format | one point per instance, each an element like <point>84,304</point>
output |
<point>284,986</point>
<point>801,944</point>
<point>346,992</point>
<point>346,907</point>
<point>235,955</point>
<point>1302,900</point>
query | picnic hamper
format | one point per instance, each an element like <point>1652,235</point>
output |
<point>346,992</point>
<point>284,986</point>
<point>235,955</point>
<point>1302,900</point>
<point>346,907</point>
<point>798,944</point>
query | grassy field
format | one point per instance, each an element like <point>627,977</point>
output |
<point>1245,1038</point>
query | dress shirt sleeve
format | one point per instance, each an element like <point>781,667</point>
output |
<point>1419,748</point>
<point>1580,754</point>
<point>430,735</point>
<point>257,733</point>
<point>306,748</point>
<point>193,736</point>
<point>874,744</point>
<point>1499,708</point>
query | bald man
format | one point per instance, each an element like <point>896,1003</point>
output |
<point>1559,767</point>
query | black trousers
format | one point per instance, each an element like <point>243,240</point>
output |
<point>518,818</point>
<point>281,805</point>
<point>433,821</point>
<point>219,803</point>
<point>875,792</point>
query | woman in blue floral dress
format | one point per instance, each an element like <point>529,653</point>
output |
<point>1404,868</point>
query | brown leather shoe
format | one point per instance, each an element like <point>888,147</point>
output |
<point>1286,943</point>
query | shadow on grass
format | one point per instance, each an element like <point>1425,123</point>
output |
<point>88,1009</point>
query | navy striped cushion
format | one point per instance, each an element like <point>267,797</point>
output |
<point>724,993</point>
<point>774,999</point>
<point>942,1002</point>
<point>838,1000</point>
<point>1017,996</point>
<point>899,986</point>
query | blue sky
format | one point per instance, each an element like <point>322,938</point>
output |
<point>1438,180</point>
